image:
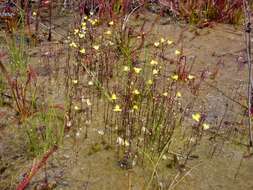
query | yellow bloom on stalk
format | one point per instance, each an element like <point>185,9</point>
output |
<point>126,69</point>
<point>169,42</point>
<point>83,24</point>
<point>162,40</point>
<point>150,82</point>
<point>111,23</point>
<point>81,35</point>
<point>96,21</point>
<point>76,31</point>
<point>177,52</point>
<point>136,92</point>
<point>110,43</point>
<point>156,44</point>
<point>113,97</point>
<point>34,14</point>
<point>108,32</point>
<point>76,108</point>
<point>135,107</point>
<point>93,22</point>
<point>73,45</point>
<point>155,71</point>
<point>120,141</point>
<point>190,77</point>
<point>165,94</point>
<point>96,47</point>
<point>137,70</point>
<point>82,51</point>
<point>84,27</point>
<point>117,108</point>
<point>178,95</point>
<point>85,18</point>
<point>90,83</point>
<point>206,126</point>
<point>196,117</point>
<point>88,102</point>
<point>175,77</point>
<point>74,81</point>
<point>153,62</point>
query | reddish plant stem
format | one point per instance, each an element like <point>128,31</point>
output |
<point>35,168</point>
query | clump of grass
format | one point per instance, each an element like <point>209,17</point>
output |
<point>44,130</point>
<point>202,12</point>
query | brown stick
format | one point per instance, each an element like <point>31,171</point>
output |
<point>248,48</point>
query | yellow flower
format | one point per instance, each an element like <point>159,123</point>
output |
<point>96,47</point>
<point>81,35</point>
<point>162,40</point>
<point>84,27</point>
<point>85,18</point>
<point>126,69</point>
<point>90,83</point>
<point>177,52</point>
<point>76,31</point>
<point>78,134</point>
<point>93,22</point>
<point>153,62</point>
<point>111,23</point>
<point>156,44</point>
<point>108,32</point>
<point>165,94</point>
<point>190,77</point>
<point>174,77</point>
<point>88,102</point>
<point>155,71</point>
<point>34,14</point>
<point>126,143</point>
<point>76,108</point>
<point>196,117</point>
<point>150,82</point>
<point>73,45</point>
<point>117,108</point>
<point>110,43</point>
<point>178,95</point>
<point>120,141</point>
<point>206,126</point>
<point>137,70</point>
<point>82,51</point>
<point>74,81</point>
<point>83,24</point>
<point>169,42</point>
<point>135,107</point>
<point>136,92</point>
<point>113,97</point>
<point>96,20</point>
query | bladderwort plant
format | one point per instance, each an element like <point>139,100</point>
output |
<point>141,101</point>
